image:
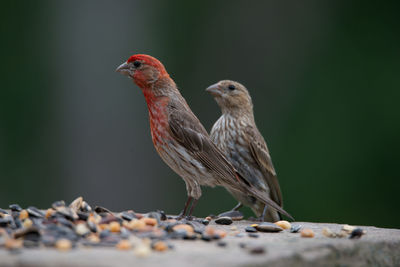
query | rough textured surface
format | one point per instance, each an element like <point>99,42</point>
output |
<point>379,247</point>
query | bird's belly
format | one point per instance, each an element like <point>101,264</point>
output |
<point>181,162</point>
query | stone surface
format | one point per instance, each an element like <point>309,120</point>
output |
<point>378,247</point>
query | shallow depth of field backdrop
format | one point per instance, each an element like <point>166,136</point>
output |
<point>324,78</point>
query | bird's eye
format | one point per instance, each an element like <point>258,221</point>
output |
<point>231,87</point>
<point>137,64</point>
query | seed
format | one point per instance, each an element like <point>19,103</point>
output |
<point>250,229</point>
<point>13,244</point>
<point>254,235</point>
<point>15,207</point>
<point>209,230</point>
<point>150,221</point>
<point>136,225</point>
<point>160,246</point>
<point>82,229</point>
<point>295,228</point>
<point>254,225</point>
<point>63,244</point>
<point>208,218</point>
<point>224,220</point>
<point>104,226</point>
<point>189,229</point>
<point>93,238</point>
<point>23,215</point>
<point>49,212</point>
<point>124,245</point>
<point>357,233</point>
<point>233,228</point>
<point>221,244</point>
<point>348,228</point>
<point>142,251</point>
<point>115,227</point>
<point>307,233</point>
<point>257,250</point>
<point>268,227</point>
<point>328,232</point>
<point>76,204</point>
<point>220,233</point>
<point>284,224</point>
<point>27,223</point>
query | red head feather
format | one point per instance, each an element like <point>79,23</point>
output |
<point>149,60</point>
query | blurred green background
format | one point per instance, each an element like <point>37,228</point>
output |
<point>324,77</point>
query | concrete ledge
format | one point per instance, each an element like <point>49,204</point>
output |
<point>379,247</point>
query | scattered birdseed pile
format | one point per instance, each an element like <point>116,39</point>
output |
<point>65,227</point>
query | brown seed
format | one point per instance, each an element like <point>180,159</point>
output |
<point>189,229</point>
<point>220,233</point>
<point>115,227</point>
<point>13,243</point>
<point>27,223</point>
<point>104,226</point>
<point>328,233</point>
<point>136,225</point>
<point>208,218</point>
<point>307,233</point>
<point>63,244</point>
<point>160,246</point>
<point>23,215</point>
<point>139,215</point>
<point>150,221</point>
<point>209,230</point>
<point>94,238</point>
<point>124,245</point>
<point>284,224</point>
<point>49,212</point>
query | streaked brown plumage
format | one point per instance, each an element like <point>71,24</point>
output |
<point>236,134</point>
<point>179,137</point>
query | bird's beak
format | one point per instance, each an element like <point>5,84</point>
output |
<point>214,90</point>
<point>124,69</point>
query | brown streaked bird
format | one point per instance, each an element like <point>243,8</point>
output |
<point>179,137</point>
<point>236,134</point>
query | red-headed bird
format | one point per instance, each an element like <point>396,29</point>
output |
<point>179,137</point>
<point>236,134</point>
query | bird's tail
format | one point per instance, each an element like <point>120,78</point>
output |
<point>263,197</point>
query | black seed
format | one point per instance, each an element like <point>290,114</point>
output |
<point>255,235</point>
<point>257,250</point>
<point>3,211</point>
<point>356,233</point>
<point>205,237</point>
<point>221,243</point>
<point>128,215</point>
<point>104,233</point>
<point>205,222</point>
<point>59,203</point>
<point>295,228</point>
<point>224,220</point>
<point>35,212</point>
<point>250,229</point>
<point>15,207</point>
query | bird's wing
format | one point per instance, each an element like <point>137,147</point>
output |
<point>260,153</point>
<point>190,133</point>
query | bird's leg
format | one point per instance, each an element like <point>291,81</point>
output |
<point>183,212</point>
<point>261,218</point>
<point>189,217</point>
<point>238,206</point>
